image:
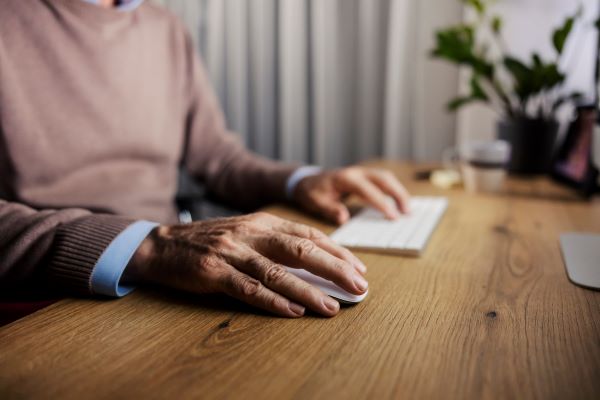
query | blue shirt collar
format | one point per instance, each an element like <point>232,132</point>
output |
<point>126,5</point>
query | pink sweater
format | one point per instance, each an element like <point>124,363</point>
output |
<point>98,108</point>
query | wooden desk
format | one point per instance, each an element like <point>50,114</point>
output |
<point>487,312</point>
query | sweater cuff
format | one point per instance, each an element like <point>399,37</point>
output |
<point>77,247</point>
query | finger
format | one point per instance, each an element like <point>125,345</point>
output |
<point>341,252</point>
<point>360,185</point>
<point>392,187</point>
<point>323,241</point>
<point>249,290</point>
<point>303,253</point>
<point>275,277</point>
<point>333,210</point>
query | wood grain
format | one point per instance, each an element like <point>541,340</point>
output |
<point>486,312</point>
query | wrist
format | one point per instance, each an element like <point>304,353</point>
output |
<point>297,177</point>
<point>136,269</point>
<point>302,190</point>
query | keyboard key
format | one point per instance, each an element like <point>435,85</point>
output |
<point>370,230</point>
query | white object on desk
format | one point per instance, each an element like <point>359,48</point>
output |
<point>408,235</point>
<point>482,164</point>
<point>581,253</point>
<point>327,287</point>
<point>445,178</point>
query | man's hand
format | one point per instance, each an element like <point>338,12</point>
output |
<point>244,257</point>
<point>323,194</point>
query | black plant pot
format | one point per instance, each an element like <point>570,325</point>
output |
<point>532,142</point>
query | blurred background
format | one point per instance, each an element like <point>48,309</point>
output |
<point>334,82</point>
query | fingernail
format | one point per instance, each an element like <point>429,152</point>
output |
<point>361,283</point>
<point>331,304</point>
<point>342,216</point>
<point>393,213</point>
<point>296,308</point>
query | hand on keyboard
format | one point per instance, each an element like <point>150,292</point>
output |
<point>322,194</point>
<point>409,234</point>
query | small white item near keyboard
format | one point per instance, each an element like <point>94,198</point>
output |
<point>581,253</point>
<point>408,235</point>
<point>327,287</point>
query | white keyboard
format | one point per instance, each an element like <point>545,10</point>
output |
<point>408,235</point>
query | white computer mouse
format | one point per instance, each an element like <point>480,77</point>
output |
<point>328,287</point>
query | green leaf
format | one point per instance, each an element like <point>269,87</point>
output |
<point>497,24</point>
<point>552,76</point>
<point>482,67</point>
<point>523,77</point>
<point>477,94</point>
<point>561,34</point>
<point>545,76</point>
<point>457,44</point>
<point>516,67</point>
<point>478,5</point>
<point>537,60</point>
<point>477,91</point>
<point>531,80</point>
<point>459,102</point>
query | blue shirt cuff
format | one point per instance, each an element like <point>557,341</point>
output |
<point>126,5</point>
<point>297,176</point>
<point>107,273</point>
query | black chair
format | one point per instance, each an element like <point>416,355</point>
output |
<point>194,203</point>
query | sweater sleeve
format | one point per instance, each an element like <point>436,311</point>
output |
<point>59,247</point>
<point>217,158</point>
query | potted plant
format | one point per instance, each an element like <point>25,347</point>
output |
<point>526,93</point>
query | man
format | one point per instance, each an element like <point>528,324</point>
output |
<point>99,106</point>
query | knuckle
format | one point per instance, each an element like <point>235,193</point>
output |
<point>276,303</point>
<point>308,291</point>
<point>347,253</point>
<point>275,241</point>
<point>343,267</point>
<point>260,216</point>
<point>251,218</point>
<point>243,227</point>
<point>314,233</point>
<point>313,196</point>
<point>274,274</point>
<point>304,248</point>
<point>388,175</point>
<point>245,285</point>
<point>205,265</point>
<point>224,242</point>
<point>351,172</point>
<point>270,243</point>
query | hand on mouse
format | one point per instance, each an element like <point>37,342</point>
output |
<point>323,193</point>
<point>244,257</point>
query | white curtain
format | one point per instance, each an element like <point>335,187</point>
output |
<point>329,82</point>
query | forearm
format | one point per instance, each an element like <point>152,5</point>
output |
<point>248,181</point>
<point>216,157</point>
<point>60,246</point>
